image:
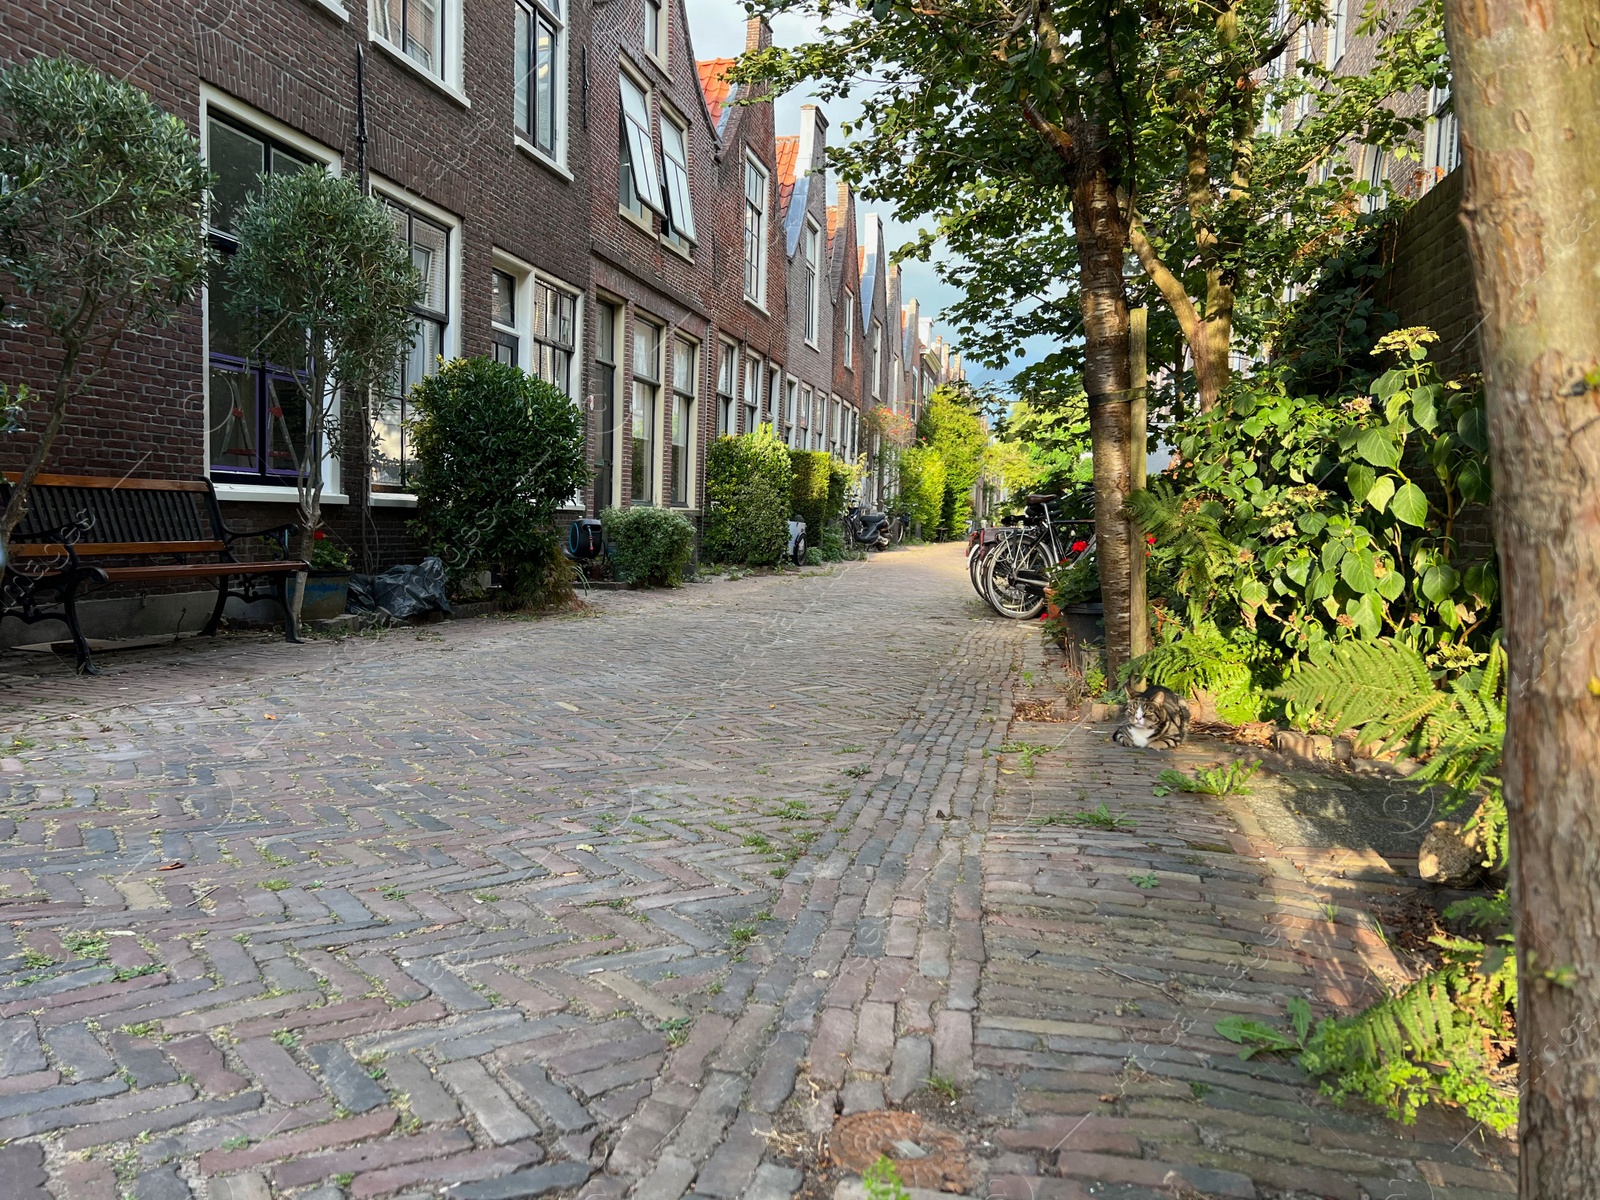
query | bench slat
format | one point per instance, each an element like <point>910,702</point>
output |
<point>200,570</point>
<point>89,549</point>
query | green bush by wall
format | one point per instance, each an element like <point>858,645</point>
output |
<point>922,477</point>
<point>651,546</point>
<point>820,481</point>
<point>749,499</point>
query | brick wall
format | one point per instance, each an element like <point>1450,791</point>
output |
<point>1430,280</point>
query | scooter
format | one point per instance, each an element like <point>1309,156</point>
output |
<point>867,528</point>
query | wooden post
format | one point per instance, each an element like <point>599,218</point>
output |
<point>1138,613</point>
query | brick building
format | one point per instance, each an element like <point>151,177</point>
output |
<point>583,198</point>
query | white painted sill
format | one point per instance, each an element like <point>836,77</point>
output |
<point>392,500</point>
<point>543,159</point>
<point>401,57</point>
<point>261,493</point>
<point>333,8</point>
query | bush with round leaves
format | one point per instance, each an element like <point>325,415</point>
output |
<point>749,499</point>
<point>650,547</point>
<point>497,453</point>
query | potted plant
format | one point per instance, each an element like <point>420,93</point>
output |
<point>328,581</point>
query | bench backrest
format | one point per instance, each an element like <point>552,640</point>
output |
<point>104,515</point>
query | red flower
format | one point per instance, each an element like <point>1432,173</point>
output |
<point>319,535</point>
<point>1151,538</point>
<point>1079,547</point>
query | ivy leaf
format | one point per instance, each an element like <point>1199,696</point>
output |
<point>1410,505</point>
<point>1381,492</point>
<point>1378,448</point>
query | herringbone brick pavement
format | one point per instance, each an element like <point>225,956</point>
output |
<point>507,906</point>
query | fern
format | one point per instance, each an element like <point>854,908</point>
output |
<point>1445,1039</point>
<point>1381,691</point>
<point>1203,555</point>
<point>1202,659</point>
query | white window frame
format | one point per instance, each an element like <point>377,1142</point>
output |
<point>754,373</point>
<point>1441,152</point>
<point>521,326</point>
<point>641,144</point>
<point>663,15</point>
<point>680,341</point>
<point>675,181</point>
<point>448,78</point>
<point>877,358</point>
<point>1337,33</point>
<point>1375,170</point>
<point>755,239</point>
<point>774,395</point>
<point>551,11</point>
<point>811,252</point>
<point>728,371</point>
<point>849,327</point>
<point>663,390</point>
<point>450,342</point>
<point>233,110</point>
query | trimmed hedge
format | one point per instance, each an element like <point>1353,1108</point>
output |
<point>649,546</point>
<point>922,477</point>
<point>749,499</point>
<point>820,481</point>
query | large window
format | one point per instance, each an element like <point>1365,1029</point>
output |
<point>646,403</point>
<point>813,255</point>
<point>790,415</point>
<point>755,232</point>
<point>638,188</point>
<point>752,392</point>
<point>774,395</point>
<point>607,322</point>
<point>416,28</point>
<point>877,358</point>
<point>429,244</point>
<point>1337,32</point>
<point>1441,150</point>
<point>1376,163</point>
<point>257,419</point>
<point>727,385</point>
<point>541,74</point>
<point>675,178</point>
<point>507,341</point>
<point>685,371</point>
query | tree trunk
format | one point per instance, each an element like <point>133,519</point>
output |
<point>17,506</point>
<point>1212,346</point>
<point>1527,91</point>
<point>1102,234</point>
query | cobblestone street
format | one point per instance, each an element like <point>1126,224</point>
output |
<point>594,905</point>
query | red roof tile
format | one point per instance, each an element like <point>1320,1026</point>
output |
<point>788,156</point>
<point>714,83</point>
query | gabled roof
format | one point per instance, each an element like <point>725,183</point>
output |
<point>714,85</point>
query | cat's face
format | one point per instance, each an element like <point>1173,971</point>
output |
<point>1140,716</point>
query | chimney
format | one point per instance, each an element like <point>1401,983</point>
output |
<point>757,34</point>
<point>813,139</point>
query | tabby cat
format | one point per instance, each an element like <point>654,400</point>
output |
<point>1153,717</point>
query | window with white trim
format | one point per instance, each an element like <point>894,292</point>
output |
<point>1302,103</point>
<point>256,417</point>
<point>555,335</point>
<point>655,29</point>
<point>812,244</point>
<point>638,188</point>
<point>1441,143</point>
<point>727,385</point>
<point>1376,163</point>
<point>791,402</point>
<point>752,392</point>
<point>646,405</point>
<point>849,327</point>
<point>504,315</point>
<point>877,358</point>
<point>675,179</point>
<point>1337,32</point>
<point>833,425</point>
<point>775,395</point>
<point>541,75</point>
<point>685,373</point>
<point>608,324</point>
<point>429,244</point>
<point>418,29</point>
<point>755,232</point>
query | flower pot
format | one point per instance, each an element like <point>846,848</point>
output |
<point>325,595</point>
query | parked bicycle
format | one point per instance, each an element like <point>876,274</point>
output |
<point>1016,569</point>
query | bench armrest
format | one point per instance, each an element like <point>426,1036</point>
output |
<point>278,534</point>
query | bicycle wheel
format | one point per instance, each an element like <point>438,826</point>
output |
<point>897,530</point>
<point>975,565</point>
<point>1007,594</point>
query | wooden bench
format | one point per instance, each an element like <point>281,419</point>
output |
<point>84,530</point>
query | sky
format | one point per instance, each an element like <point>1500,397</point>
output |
<point>717,28</point>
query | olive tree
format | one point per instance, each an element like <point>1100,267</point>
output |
<point>101,197</point>
<point>322,287</point>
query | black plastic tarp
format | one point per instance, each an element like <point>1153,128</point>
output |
<point>404,591</point>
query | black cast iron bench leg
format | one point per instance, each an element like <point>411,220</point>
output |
<point>69,604</point>
<point>216,613</point>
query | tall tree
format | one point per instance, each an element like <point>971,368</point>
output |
<point>100,231</point>
<point>1527,93</point>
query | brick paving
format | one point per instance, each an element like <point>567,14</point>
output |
<point>583,906</point>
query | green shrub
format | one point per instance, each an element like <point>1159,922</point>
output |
<point>749,499</point>
<point>1238,670</point>
<point>650,546</point>
<point>820,483</point>
<point>950,425</point>
<point>922,476</point>
<point>497,452</point>
<point>831,543</point>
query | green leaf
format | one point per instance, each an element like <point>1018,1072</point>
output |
<point>1410,505</point>
<point>1423,410</point>
<point>1253,592</point>
<point>1378,448</point>
<point>1360,480</point>
<point>1440,581</point>
<point>1380,492</point>
<point>1367,612</point>
<point>1311,523</point>
<point>1298,570</point>
<point>1474,430</point>
<point>1355,568</point>
<point>1392,585</point>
